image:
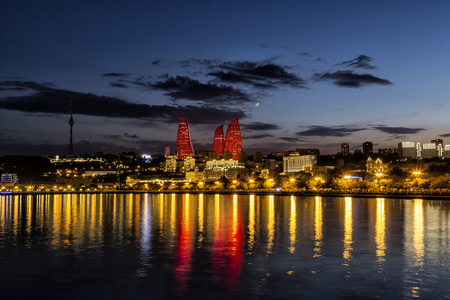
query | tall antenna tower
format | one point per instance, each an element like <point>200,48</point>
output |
<point>71,122</point>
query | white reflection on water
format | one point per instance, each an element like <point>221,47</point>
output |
<point>146,236</point>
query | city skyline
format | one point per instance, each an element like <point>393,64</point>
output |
<point>297,75</point>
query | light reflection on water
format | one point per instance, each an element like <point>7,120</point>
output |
<point>190,246</point>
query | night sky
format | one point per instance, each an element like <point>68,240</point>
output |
<point>297,74</point>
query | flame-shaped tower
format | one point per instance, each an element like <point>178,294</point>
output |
<point>184,142</point>
<point>219,141</point>
<point>233,143</point>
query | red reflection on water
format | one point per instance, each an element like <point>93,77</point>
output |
<point>184,247</point>
<point>227,252</point>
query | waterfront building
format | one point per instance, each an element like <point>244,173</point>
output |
<point>171,164</point>
<point>230,172</point>
<point>167,153</point>
<point>9,179</point>
<point>195,176</point>
<point>184,142</point>
<point>233,142</point>
<point>219,141</point>
<point>221,163</point>
<point>298,163</point>
<point>189,163</point>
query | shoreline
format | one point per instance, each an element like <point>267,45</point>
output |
<point>430,196</point>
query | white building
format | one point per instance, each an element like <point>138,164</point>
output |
<point>407,150</point>
<point>298,163</point>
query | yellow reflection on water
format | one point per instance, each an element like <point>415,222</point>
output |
<point>201,221</point>
<point>293,225</point>
<point>418,233</point>
<point>380,230</point>
<point>318,227</point>
<point>270,224</point>
<point>251,223</point>
<point>348,229</point>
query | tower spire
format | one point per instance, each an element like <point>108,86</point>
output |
<point>71,122</point>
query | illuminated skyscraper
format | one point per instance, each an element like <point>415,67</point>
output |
<point>219,141</point>
<point>184,142</point>
<point>233,143</point>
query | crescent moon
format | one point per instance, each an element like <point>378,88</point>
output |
<point>257,103</point>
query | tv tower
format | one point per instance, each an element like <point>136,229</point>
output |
<point>71,122</point>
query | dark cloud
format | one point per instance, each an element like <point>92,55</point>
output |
<point>131,136</point>
<point>259,126</point>
<point>195,62</point>
<point>445,135</point>
<point>306,54</point>
<point>258,136</point>
<point>290,139</point>
<point>337,131</point>
<point>398,130</point>
<point>264,46</point>
<point>57,101</point>
<point>258,74</point>
<point>185,88</point>
<point>115,74</point>
<point>118,85</point>
<point>350,79</point>
<point>156,62</point>
<point>362,61</point>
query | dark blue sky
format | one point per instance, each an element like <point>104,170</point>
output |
<point>297,74</point>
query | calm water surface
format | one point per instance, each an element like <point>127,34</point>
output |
<point>157,246</point>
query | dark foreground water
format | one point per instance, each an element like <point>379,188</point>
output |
<point>155,246</point>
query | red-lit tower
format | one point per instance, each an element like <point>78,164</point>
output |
<point>184,143</point>
<point>233,143</point>
<point>219,141</point>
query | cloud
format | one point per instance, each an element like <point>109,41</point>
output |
<point>398,130</point>
<point>257,74</point>
<point>290,139</point>
<point>57,101</point>
<point>115,74</point>
<point>156,62</point>
<point>445,135</point>
<point>185,88</point>
<point>118,85</point>
<point>350,79</point>
<point>362,61</point>
<point>306,54</point>
<point>258,136</point>
<point>131,136</point>
<point>264,46</point>
<point>337,131</point>
<point>259,126</point>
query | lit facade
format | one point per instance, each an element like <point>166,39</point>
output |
<point>298,163</point>
<point>233,142</point>
<point>407,150</point>
<point>219,141</point>
<point>345,149</point>
<point>184,142</point>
